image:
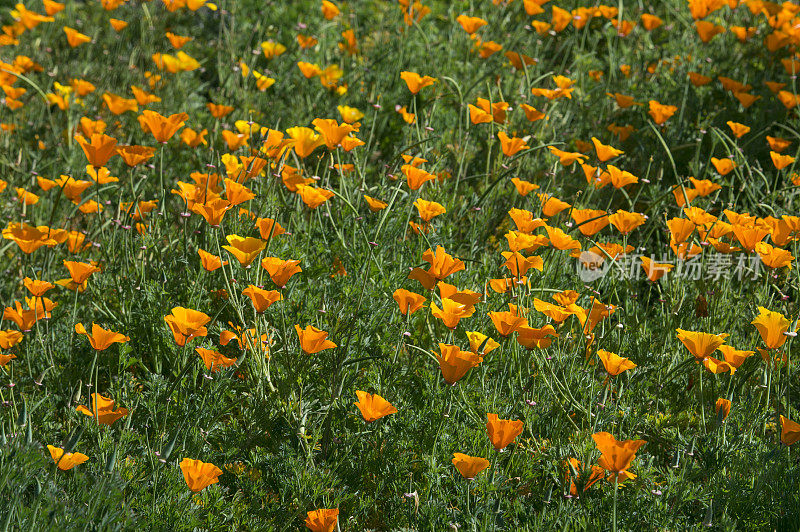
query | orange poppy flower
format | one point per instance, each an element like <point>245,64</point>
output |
<point>24,318</point>
<point>75,38</point>
<point>623,101</point>
<point>551,205</point>
<point>701,344</point>
<point>199,475</point>
<point>51,7</point>
<point>234,141</point>
<point>506,322</point>
<point>451,312</point>
<point>625,221</point>
<point>790,431</point>
<point>118,24</point>
<point>9,339</point>
<point>590,221</point>
<point>322,520</point>
<point>778,144</point>
<point>511,145</point>
<point>661,113</point>
<point>428,209</point>
<point>616,455</point>
<point>219,111</point>
<point>561,19</point>
<point>561,240</point>
<point>749,237</point>
<point>739,130</point>
<point>704,187</point>
<point>734,357</point>
<point>408,118</point>
<point>213,210</point>
<point>469,466</point>
<point>487,48</point>
<point>502,432</point>
<point>518,265</point>
<point>142,97</point>
<point>80,271</point>
<point>304,140</point>
<point>582,477</point>
<point>193,138</point>
<point>567,158</point>
<point>36,287</point>
<point>442,265</point>
<point>650,22</point>
<point>313,197</point>
<point>772,327</point>
<point>620,178</point>
<point>103,410</point>
<point>309,70</point>
<point>5,359</point>
<point>774,257</point>
<point>470,24</point>
<point>486,112</point>
<point>186,324</point>
<point>680,229</point>
<point>177,41</point>
<point>306,41</point>
<point>717,366</point>
<point>525,221</point>
<point>531,113</point>
<point>135,155</point>
<point>269,228</point>
<point>329,10</point>
<point>654,270</point>
<point>350,115</point>
<point>523,187</point>
<point>118,105</point>
<point>161,127</point>
<point>245,250</point>
<point>66,461</point>
<point>350,142</point>
<point>708,30</point>
<point>101,175</point>
<point>332,132</point>
<point>313,340</point>
<point>101,339</point>
<point>722,408</point>
<point>98,149</point>
<point>604,151</point>
<point>416,177</point>
<point>415,82</point>
<point>210,262</point>
<point>373,406</point>
<point>535,338</point>
<point>723,166</point>
<point>213,360</point>
<point>375,205</point>
<point>25,197</point>
<point>455,363</point>
<point>409,302</point>
<point>781,161</point>
<point>480,344</point>
<point>614,363</point>
<point>519,61</point>
<point>261,299</point>
<point>236,193</point>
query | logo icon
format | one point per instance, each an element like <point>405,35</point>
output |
<point>591,266</point>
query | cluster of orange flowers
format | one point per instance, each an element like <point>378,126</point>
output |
<point>545,235</point>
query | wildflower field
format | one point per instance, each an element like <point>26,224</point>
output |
<point>399,265</point>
